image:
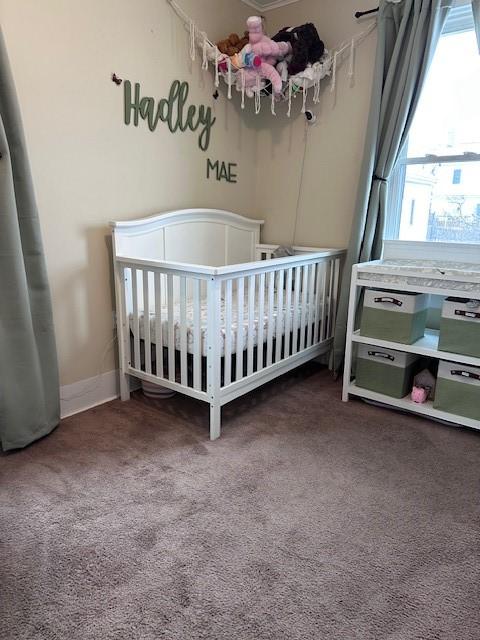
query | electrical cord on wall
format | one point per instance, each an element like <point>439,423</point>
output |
<point>91,385</point>
<point>300,184</point>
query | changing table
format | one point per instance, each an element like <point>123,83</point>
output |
<point>438,268</point>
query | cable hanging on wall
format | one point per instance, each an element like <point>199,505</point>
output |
<point>240,78</point>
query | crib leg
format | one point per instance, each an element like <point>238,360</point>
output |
<point>124,386</point>
<point>215,421</point>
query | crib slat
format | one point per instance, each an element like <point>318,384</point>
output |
<point>158,326</point>
<point>303,318</point>
<point>311,285</point>
<point>327,301</point>
<point>279,324</point>
<point>136,323</point>
<point>228,333</point>
<point>296,310</point>
<point>251,323</point>
<point>146,323</point>
<point>171,329</point>
<point>333,308</point>
<point>320,267</point>
<point>240,308</point>
<point>330,299</point>
<point>323,328</point>
<point>271,295</point>
<point>288,312</point>
<point>197,337</point>
<point>261,320</point>
<point>183,332</point>
<point>126,318</point>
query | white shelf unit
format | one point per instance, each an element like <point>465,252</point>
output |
<point>388,274</point>
<point>406,404</point>
<point>426,346</point>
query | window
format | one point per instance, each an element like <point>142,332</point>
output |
<point>435,190</point>
<point>412,213</point>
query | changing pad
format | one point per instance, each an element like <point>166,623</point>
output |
<point>463,276</point>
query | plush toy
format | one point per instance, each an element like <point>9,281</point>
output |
<point>425,382</point>
<point>419,395</point>
<point>246,58</point>
<point>249,80</point>
<point>233,44</point>
<point>306,46</point>
<point>268,51</point>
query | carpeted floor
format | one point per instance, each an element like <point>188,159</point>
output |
<point>309,519</point>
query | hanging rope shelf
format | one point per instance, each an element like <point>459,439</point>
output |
<point>301,84</point>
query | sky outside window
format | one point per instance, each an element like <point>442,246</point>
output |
<point>447,120</point>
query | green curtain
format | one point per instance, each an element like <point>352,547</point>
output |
<point>408,32</point>
<point>29,392</point>
<point>476,19</point>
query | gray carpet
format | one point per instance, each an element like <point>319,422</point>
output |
<point>308,519</point>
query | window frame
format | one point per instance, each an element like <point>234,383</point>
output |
<point>460,20</point>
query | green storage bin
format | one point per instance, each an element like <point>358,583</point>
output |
<point>385,371</point>
<point>394,316</point>
<point>460,327</point>
<point>458,389</point>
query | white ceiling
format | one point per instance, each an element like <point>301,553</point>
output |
<point>266,5</point>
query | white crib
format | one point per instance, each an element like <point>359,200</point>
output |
<point>222,317</point>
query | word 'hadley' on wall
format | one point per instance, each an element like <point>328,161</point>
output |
<point>171,110</point>
<point>222,170</point>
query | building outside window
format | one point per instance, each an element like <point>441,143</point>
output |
<point>457,176</point>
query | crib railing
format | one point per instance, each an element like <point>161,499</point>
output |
<point>283,312</point>
<point>154,345</point>
<point>215,333</point>
<point>267,251</point>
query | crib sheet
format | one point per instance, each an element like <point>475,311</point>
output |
<point>310,311</point>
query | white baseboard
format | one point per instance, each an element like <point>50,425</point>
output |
<point>91,392</point>
<point>88,393</point>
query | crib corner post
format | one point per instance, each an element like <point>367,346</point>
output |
<point>213,354</point>
<point>215,421</point>
<point>121,325</point>
<point>124,386</point>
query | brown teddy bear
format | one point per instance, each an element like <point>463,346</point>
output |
<point>233,44</point>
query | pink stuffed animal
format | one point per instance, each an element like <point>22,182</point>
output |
<point>419,394</point>
<point>268,51</point>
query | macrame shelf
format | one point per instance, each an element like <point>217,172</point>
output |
<point>302,83</point>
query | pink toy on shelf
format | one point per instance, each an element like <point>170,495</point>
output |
<point>423,386</point>
<point>420,394</point>
<point>268,51</point>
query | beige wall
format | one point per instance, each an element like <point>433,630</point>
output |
<point>88,167</point>
<point>334,144</point>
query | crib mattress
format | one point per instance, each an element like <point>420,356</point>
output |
<point>234,328</point>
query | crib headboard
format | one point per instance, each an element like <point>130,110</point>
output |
<point>196,236</point>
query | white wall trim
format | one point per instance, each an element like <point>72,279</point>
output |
<point>273,5</point>
<point>88,393</point>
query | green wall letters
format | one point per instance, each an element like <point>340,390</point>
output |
<point>170,110</point>
<point>223,170</point>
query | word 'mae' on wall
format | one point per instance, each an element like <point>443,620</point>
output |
<point>171,110</point>
<point>222,170</point>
